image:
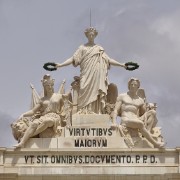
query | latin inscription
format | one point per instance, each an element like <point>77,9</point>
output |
<point>90,131</point>
<point>90,137</point>
<point>90,159</point>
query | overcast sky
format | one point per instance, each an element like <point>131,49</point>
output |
<point>38,31</point>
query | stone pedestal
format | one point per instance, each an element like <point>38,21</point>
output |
<point>89,150</point>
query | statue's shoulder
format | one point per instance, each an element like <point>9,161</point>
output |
<point>121,96</point>
<point>81,47</point>
<point>100,47</point>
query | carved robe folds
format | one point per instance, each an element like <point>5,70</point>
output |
<point>94,64</point>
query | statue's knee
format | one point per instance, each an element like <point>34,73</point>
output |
<point>47,122</point>
<point>141,125</point>
<point>152,113</point>
<point>34,125</point>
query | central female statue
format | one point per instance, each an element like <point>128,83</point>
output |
<point>94,64</point>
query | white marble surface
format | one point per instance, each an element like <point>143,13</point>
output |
<point>150,164</point>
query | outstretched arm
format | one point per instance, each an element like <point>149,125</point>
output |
<point>116,63</point>
<point>31,112</point>
<point>66,63</point>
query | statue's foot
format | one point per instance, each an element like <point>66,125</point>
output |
<point>20,145</point>
<point>160,145</point>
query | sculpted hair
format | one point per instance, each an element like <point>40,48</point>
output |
<point>91,29</point>
<point>47,80</point>
<point>133,79</point>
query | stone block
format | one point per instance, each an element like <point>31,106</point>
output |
<point>41,143</point>
<point>90,119</point>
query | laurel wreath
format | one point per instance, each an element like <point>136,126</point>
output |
<point>50,66</point>
<point>131,66</point>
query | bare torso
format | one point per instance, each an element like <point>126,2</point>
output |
<point>53,104</point>
<point>130,108</point>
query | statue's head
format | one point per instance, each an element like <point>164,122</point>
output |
<point>47,83</point>
<point>132,82</point>
<point>151,106</point>
<point>91,31</point>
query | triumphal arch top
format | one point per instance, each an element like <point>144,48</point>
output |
<point>74,132</point>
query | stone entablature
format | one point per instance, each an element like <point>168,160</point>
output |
<point>82,161</point>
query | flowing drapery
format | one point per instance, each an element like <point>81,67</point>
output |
<point>94,65</point>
